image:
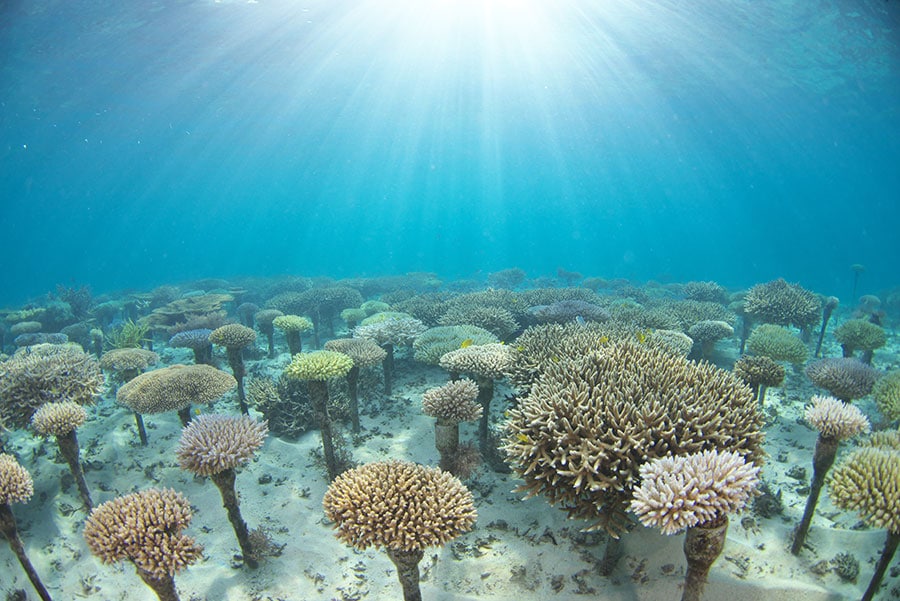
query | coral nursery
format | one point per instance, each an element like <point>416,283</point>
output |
<point>513,437</point>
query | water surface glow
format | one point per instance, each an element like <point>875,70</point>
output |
<point>729,140</point>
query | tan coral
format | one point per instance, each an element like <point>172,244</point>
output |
<point>16,485</point>
<point>58,419</point>
<point>363,351</point>
<point>128,360</point>
<point>398,505</point>
<point>145,529</point>
<point>867,482</point>
<point>581,435</point>
<point>173,388</point>
<point>454,401</point>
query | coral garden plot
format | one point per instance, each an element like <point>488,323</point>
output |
<point>373,438</point>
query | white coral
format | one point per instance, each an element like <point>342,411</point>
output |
<point>836,419</point>
<point>684,491</point>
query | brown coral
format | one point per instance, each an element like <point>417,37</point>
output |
<point>145,528</point>
<point>588,424</point>
<point>836,421</point>
<point>61,420</point>
<point>759,373</point>
<point>867,482</point>
<point>845,378</point>
<point>450,404</point>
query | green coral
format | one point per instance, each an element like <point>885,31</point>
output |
<point>860,334</point>
<point>435,342</point>
<point>319,365</point>
<point>292,323</point>
<point>777,343</point>
<point>887,395</point>
<point>384,316</point>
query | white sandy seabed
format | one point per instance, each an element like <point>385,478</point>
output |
<point>519,549</point>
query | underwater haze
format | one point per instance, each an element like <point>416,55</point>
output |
<point>736,140</point>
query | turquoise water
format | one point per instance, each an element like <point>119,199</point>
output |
<point>152,142</point>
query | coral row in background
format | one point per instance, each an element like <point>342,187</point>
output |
<point>632,403</point>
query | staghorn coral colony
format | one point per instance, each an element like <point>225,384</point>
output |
<point>691,409</point>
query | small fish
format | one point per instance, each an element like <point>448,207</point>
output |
<point>466,343</point>
<point>197,411</point>
<point>520,348</point>
<point>603,339</point>
<point>579,320</point>
<point>555,359</point>
<point>523,437</point>
<point>641,337</point>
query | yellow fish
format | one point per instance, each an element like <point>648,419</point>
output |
<point>555,359</point>
<point>466,343</point>
<point>520,348</point>
<point>604,339</point>
<point>523,437</point>
<point>197,411</point>
<point>641,337</point>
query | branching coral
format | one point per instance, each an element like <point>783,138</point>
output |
<point>886,393</point>
<point>778,302</point>
<point>364,353</point>
<point>434,343</point>
<point>316,368</point>
<point>496,320</point>
<point>777,343</point>
<point>214,446</point>
<point>867,482</point>
<point>234,337</point>
<point>836,421</point>
<point>196,340</point>
<point>174,388</point>
<point>126,363</point>
<point>860,335</point>
<point>389,334</point>
<point>401,507</point>
<point>145,529</point>
<point>486,362</point>
<point>847,379</point>
<point>60,420</point>
<point>696,492</point>
<point>16,486</point>
<point>588,425</point>
<point>759,373</point>
<point>707,332</point>
<point>683,491</point>
<point>293,327</point>
<point>450,404</point>
<point>44,374</point>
